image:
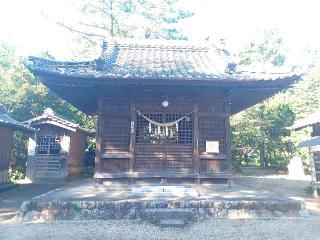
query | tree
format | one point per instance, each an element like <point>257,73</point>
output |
<point>261,131</point>
<point>128,18</point>
<point>264,131</point>
<point>100,19</point>
<point>24,98</point>
<point>269,50</point>
<point>304,96</point>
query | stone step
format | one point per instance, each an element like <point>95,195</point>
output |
<point>159,214</point>
<point>174,223</point>
<point>163,194</point>
<point>7,186</point>
<point>164,191</point>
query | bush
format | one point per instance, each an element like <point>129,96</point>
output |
<point>16,173</point>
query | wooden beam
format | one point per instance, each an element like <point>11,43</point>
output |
<point>213,156</point>
<point>161,174</point>
<point>116,155</point>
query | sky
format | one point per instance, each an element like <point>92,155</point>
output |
<point>30,25</point>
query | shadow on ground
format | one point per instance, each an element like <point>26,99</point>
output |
<point>11,200</point>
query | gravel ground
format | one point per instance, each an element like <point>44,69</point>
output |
<point>298,228</point>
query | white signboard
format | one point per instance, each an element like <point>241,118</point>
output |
<point>212,146</point>
<point>316,148</point>
<point>32,147</point>
<point>65,144</point>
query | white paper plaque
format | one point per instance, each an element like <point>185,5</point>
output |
<point>65,144</point>
<point>31,147</point>
<point>212,146</point>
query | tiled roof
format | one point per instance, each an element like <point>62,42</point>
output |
<point>314,141</point>
<point>310,120</point>
<point>157,59</point>
<point>50,117</point>
<point>7,121</point>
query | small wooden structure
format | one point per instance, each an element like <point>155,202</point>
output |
<point>163,107</point>
<point>313,144</point>
<point>57,150</point>
<point>7,127</point>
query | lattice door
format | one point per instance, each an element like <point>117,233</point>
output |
<point>49,162</point>
<point>164,149</point>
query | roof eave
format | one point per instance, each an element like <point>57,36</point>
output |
<point>51,77</point>
<point>13,126</point>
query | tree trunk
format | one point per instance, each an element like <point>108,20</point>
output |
<point>262,155</point>
<point>111,20</point>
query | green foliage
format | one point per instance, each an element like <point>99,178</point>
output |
<point>304,96</point>
<point>269,50</point>
<point>129,18</point>
<point>160,19</point>
<point>260,135</point>
<point>76,207</point>
<point>16,173</point>
<point>25,98</point>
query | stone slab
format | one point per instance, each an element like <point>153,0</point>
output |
<point>172,223</point>
<point>7,186</point>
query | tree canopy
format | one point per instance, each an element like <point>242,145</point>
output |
<point>259,134</point>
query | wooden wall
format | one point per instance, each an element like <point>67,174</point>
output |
<point>5,153</point>
<point>117,151</point>
<point>76,154</point>
<point>62,165</point>
<point>315,130</point>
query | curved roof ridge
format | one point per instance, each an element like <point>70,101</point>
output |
<point>161,43</point>
<point>51,115</point>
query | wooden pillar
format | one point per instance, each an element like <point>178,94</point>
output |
<point>196,142</point>
<point>132,137</point>
<point>6,135</point>
<point>99,137</point>
<point>312,152</point>
<point>227,109</point>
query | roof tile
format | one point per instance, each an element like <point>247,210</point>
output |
<point>154,59</point>
<point>6,120</point>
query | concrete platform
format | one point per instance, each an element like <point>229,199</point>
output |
<point>163,205</point>
<point>7,186</point>
<point>87,190</point>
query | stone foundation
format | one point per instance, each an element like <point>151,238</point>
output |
<point>4,176</point>
<point>153,211</point>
